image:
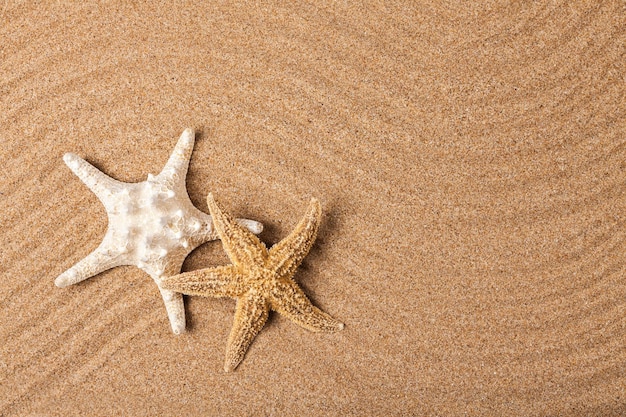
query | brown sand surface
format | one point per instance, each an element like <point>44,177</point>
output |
<point>471,164</point>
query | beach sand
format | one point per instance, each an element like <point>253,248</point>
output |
<point>471,165</point>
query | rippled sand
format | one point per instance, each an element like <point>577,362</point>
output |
<point>470,161</point>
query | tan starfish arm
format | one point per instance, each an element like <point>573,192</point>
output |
<point>250,317</point>
<point>222,281</point>
<point>290,301</point>
<point>287,255</point>
<point>241,246</point>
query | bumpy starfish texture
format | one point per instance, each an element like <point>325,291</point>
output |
<point>260,279</point>
<point>152,224</point>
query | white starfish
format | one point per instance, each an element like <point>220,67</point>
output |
<point>152,224</point>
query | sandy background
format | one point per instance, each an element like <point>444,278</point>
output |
<point>471,164</point>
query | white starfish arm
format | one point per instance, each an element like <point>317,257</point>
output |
<point>252,225</point>
<point>175,309</point>
<point>175,170</point>
<point>206,232</point>
<point>250,317</point>
<point>101,184</point>
<point>97,261</point>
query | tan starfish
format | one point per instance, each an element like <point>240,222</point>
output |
<point>260,279</point>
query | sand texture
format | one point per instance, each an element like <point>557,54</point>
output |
<point>471,165</point>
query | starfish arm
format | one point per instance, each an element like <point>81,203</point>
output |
<point>250,317</point>
<point>97,261</point>
<point>252,225</point>
<point>175,169</point>
<point>206,231</point>
<point>242,247</point>
<point>287,255</point>
<point>289,300</point>
<point>222,281</point>
<point>175,307</point>
<point>98,182</point>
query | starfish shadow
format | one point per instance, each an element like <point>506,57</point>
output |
<point>189,319</point>
<point>331,219</point>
